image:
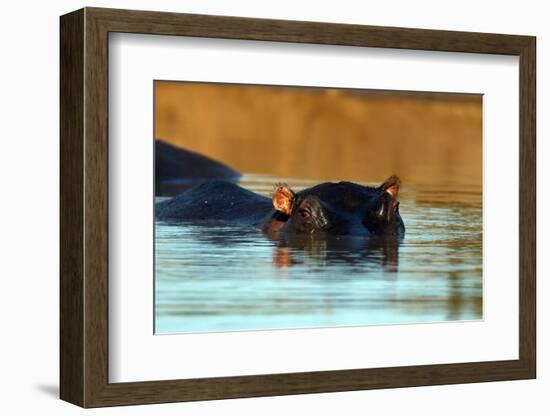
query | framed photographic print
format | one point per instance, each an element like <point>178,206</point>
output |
<point>255,207</point>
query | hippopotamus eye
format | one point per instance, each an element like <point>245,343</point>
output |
<point>304,212</point>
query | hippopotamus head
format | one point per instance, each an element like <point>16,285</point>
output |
<point>342,208</point>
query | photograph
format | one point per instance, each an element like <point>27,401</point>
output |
<point>296,207</point>
<point>283,206</point>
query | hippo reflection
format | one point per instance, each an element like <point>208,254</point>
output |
<point>338,209</point>
<point>357,252</point>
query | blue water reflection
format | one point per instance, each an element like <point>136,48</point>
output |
<point>228,278</point>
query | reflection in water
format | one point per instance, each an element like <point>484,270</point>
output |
<point>330,249</point>
<point>212,277</point>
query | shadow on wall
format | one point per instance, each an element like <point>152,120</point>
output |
<point>319,133</point>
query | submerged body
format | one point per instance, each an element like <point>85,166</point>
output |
<point>178,169</point>
<point>342,208</point>
<point>174,164</point>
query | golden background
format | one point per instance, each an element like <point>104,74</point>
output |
<point>329,134</point>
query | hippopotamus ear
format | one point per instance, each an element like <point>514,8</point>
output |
<point>283,198</point>
<point>391,186</point>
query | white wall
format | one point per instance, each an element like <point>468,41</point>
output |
<point>29,208</point>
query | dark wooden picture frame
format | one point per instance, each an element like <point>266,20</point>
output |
<point>84,207</point>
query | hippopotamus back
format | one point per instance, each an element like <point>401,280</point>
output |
<point>216,201</point>
<point>176,164</point>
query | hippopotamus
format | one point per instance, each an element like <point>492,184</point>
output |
<point>342,208</point>
<point>178,169</point>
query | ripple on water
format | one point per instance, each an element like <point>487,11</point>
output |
<point>220,278</point>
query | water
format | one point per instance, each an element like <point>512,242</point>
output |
<point>235,278</point>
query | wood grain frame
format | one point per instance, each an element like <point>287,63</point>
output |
<point>84,207</point>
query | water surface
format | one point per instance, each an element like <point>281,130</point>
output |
<point>229,278</point>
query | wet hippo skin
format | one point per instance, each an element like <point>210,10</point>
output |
<point>177,169</point>
<point>342,208</point>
